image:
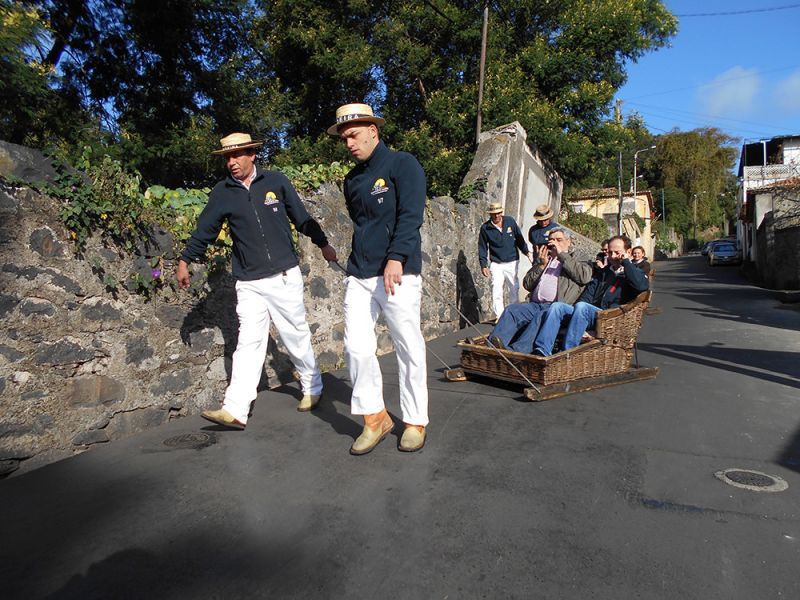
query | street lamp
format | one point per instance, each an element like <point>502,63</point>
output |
<point>635,160</point>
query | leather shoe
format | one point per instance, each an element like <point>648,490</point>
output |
<point>413,438</point>
<point>309,402</point>
<point>222,417</point>
<point>372,436</point>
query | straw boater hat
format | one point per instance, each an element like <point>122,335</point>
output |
<point>495,207</point>
<point>543,212</point>
<point>237,141</point>
<point>354,113</point>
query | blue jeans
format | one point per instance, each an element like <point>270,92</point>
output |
<point>543,344</point>
<point>584,316</point>
<point>518,325</point>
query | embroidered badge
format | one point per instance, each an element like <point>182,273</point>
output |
<point>509,229</point>
<point>379,187</point>
<point>271,198</point>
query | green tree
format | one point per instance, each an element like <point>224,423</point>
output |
<point>553,66</point>
<point>698,163</point>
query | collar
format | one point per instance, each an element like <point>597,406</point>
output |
<point>378,154</point>
<point>232,180</point>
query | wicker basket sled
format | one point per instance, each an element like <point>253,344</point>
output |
<point>604,361</point>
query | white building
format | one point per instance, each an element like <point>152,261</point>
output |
<point>762,164</point>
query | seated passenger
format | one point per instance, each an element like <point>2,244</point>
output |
<point>600,261</point>
<point>620,282</point>
<point>555,275</point>
<point>639,259</point>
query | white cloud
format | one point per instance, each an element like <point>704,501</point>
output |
<point>787,92</point>
<point>731,93</point>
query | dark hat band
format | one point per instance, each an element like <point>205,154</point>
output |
<point>353,117</point>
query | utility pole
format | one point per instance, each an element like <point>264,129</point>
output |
<point>619,190</point>
<point>484,35</point>
<point>635,158</point>
<point>694,235</point>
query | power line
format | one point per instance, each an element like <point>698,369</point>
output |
<point>740,12</point>
<point>715,83</point>
<point>702,115</point>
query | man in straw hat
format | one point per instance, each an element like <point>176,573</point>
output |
<point>537,234</point>
<point>385,196</point>
<point>258,206</point>
<point>499,243</point>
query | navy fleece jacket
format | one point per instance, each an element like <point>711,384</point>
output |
<point>608,289</point>
<point>500,245</point>
<point>385,197</point>
<point>259,223</point>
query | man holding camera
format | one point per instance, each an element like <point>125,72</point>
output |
<point>620,281</point>
<point>556,275</point>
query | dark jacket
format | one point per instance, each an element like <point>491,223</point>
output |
<point>607,289</point>
<point>644,266</point>
<point>574,276</point>
<point>537,235</point>
<point>259,224</point>
<point>500,246</point>
<point>385,197</point>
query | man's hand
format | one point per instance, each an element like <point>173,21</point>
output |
<point>329,253</point>
<point>485,271</point>
<point>182,274</point>
<point>544,254</point>
<point>392,275</point>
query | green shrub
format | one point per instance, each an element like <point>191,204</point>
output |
<point>588,225</point>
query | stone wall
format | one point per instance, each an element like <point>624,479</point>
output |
<point>81,365</point>
<point>778,240</point>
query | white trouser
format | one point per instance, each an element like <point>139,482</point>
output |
<point>279,298</point>
<point>363,302</point>
<point>503,273</point>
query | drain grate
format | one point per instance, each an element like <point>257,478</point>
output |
<point>191,441</point>
<point>755,481</point>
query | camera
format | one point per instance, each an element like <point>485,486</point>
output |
<point>601,256</point>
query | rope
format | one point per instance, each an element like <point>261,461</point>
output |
<point>446,366</point>
<point>428,284</point>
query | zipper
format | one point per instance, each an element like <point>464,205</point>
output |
<point>260,226</point>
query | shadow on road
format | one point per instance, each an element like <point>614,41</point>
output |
<point>768,365</point>
<point>727,295</point>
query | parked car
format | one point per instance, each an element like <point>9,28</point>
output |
<point>724,253</point>
<point>709,245</point>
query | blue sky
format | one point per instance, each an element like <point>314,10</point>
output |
<point>739,73</point>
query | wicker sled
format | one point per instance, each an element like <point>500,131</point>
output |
<point>601,362</point>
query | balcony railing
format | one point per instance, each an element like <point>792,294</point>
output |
<point>761,176</point>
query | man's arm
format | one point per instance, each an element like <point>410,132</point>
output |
<point>535,272</point>
<point>208,227</point>
<point>637,278</point>
<point>578,271</point>
<point>409,181</point>
<point>519,241</point>
<point>303,222</point>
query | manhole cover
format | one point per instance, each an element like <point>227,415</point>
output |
<point>752,480</point>
<point>194,441</point>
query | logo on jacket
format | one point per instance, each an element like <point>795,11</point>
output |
<point>379,187</point>
<point>271,198</point>
<point>509,229</point>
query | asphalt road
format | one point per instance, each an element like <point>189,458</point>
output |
<point>605,494</point>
